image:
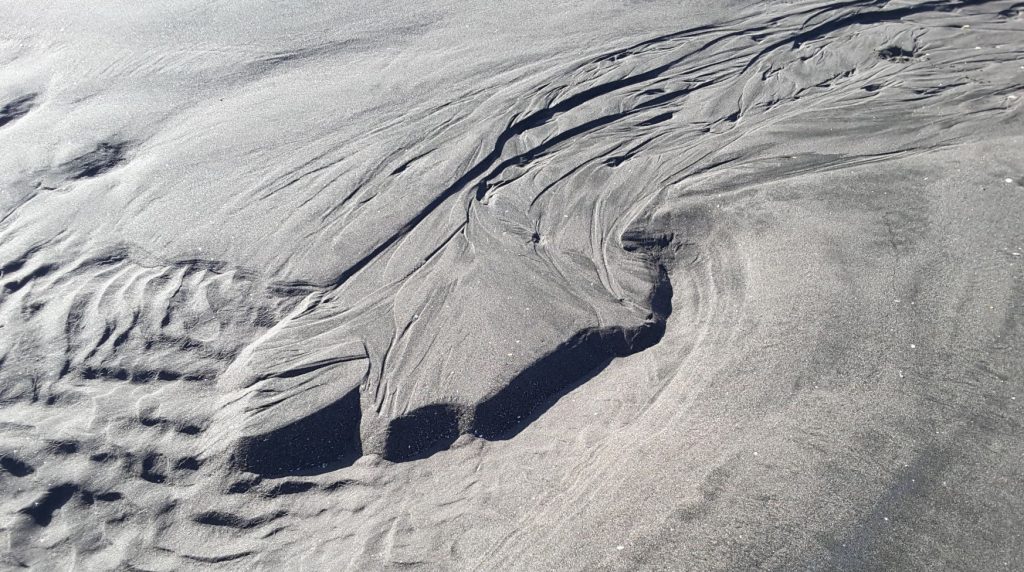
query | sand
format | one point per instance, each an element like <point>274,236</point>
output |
<point>457,286</point>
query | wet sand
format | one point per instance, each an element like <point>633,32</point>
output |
<point>608,286</point>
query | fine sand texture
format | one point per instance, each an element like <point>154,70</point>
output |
<point>602,285</point>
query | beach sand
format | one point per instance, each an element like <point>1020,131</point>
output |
<point>639,285</point>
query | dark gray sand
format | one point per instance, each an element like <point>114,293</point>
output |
<point>512,286</point>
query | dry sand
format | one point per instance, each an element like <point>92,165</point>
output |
<point>610,285</point>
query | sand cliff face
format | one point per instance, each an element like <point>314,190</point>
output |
<point>612,286</point>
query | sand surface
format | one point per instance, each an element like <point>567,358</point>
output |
<point>604,285</point>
